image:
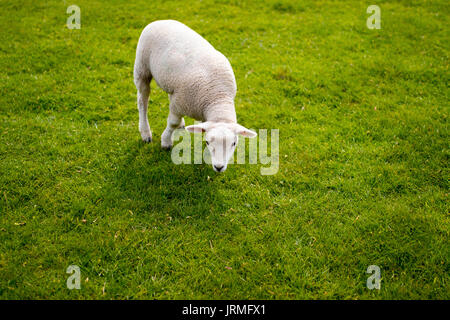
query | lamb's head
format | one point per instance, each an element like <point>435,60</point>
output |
<point>221,139</point>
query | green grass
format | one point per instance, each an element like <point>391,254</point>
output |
<point>363,176</point>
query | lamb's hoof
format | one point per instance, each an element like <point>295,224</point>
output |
<point>166,147</point>
<point>146,136</point>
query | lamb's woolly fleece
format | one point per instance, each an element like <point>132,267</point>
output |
<point>198,78</point>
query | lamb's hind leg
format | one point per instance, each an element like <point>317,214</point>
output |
<point>143,86</point>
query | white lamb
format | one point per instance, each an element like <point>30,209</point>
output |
<point>200,83</point>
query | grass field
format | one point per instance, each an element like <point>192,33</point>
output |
<point>363,175</point>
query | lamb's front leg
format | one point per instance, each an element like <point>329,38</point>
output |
<point>173,122</point>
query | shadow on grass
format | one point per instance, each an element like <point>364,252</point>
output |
<point>150,183</point>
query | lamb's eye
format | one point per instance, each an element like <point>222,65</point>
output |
<point>207,143</point>
<point>234,143</point>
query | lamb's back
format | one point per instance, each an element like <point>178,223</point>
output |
<point>177,55</point>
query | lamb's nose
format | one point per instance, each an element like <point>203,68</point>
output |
<point>218,167</point>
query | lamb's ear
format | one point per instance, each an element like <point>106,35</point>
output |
<point>243,131</point>
<point>201,127</point>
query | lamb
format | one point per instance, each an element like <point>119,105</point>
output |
<point>199,81</point>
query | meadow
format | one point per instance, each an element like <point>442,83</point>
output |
<point>363,173</point>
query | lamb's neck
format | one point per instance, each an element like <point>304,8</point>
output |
<point>220,112</point>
